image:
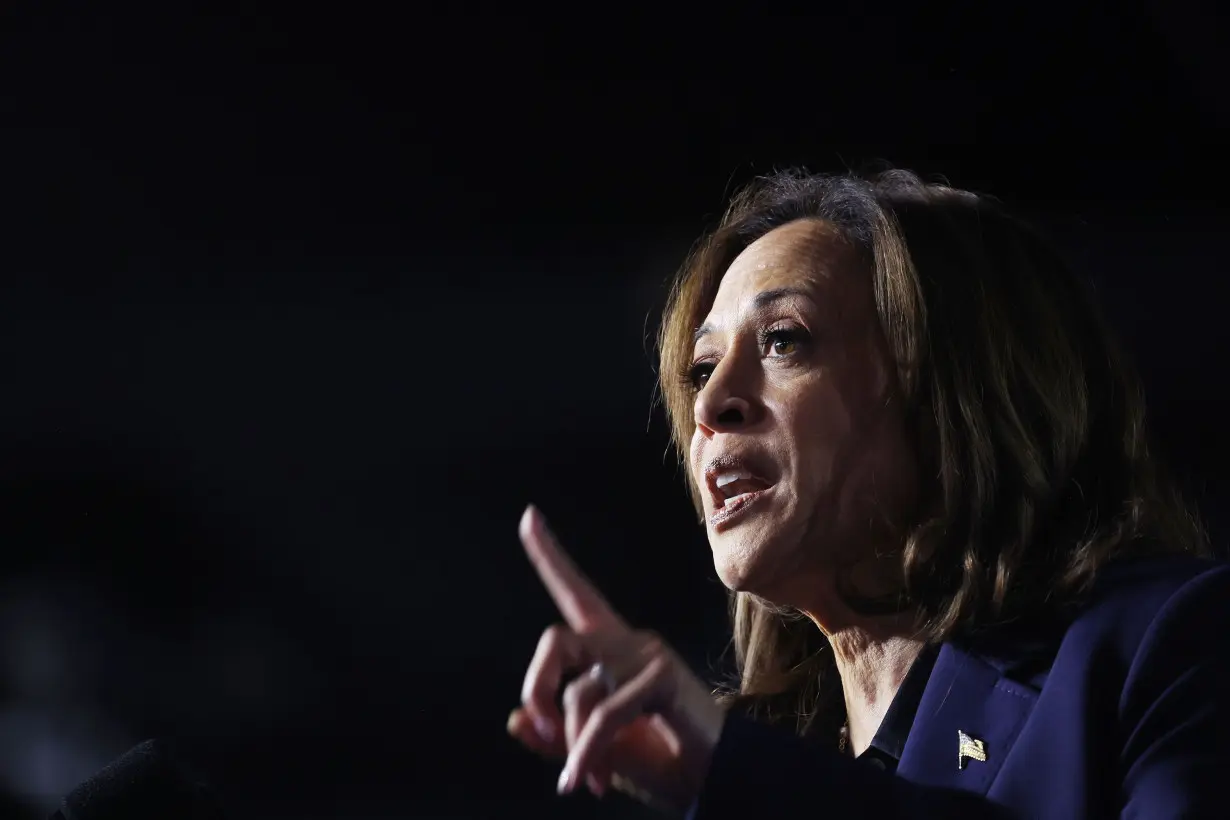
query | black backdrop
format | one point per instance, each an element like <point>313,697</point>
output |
<point>300,308</point>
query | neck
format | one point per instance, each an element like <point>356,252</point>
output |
<point>873,658</point>
<point>873,653</point>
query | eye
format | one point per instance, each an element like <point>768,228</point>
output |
<point>783,341</point>
<point>698,375</point>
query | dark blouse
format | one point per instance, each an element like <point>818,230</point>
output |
<point>889,741</point>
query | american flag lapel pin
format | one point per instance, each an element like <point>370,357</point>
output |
<point>969,748</point>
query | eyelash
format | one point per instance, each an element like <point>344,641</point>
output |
<point>692,375</point>
<point>776,334</point>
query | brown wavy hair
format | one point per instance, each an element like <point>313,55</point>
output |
<point>1022,406</point>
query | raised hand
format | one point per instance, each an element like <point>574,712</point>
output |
<point>637,718</point>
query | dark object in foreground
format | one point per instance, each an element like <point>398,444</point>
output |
<point>144,783</point>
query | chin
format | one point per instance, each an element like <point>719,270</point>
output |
<point>743,562</point>
<point>732,574</point>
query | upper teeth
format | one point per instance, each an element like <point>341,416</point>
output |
<point>729,478</point>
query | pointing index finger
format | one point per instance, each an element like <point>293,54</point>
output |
<point>579,601</point>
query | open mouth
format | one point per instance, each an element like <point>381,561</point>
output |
<point>734,487</point>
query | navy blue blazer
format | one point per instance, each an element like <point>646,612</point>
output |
<point>1124,714</point>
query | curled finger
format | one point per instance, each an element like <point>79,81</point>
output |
<point>639,695</point>
<point>559,651</point>
<point>581,696</point>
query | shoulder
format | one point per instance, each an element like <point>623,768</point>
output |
<point>1161,618</point>
<point>1153,576</point>
<point>1131,597</point>
<point>1132,602</point>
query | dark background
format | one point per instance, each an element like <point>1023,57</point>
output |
<point>301,307</point>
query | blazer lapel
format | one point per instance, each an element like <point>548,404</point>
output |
<point>965,696</point>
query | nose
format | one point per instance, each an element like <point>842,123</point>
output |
<point>728,401</point>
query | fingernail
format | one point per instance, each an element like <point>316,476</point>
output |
<point>525,526</point>
<point>565,781</point>
<point>539,524</point>
<point>544,729</point>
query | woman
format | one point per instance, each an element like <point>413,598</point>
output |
<point>961,583</point>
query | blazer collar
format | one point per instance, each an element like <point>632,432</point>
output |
<point>969,695</point>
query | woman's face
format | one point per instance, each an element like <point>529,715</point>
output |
<point>800,448</point>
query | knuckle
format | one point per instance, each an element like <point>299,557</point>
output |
<point>579,691</point>
<point>530,690</point>
<point>572,694</point>
<point>653,644</point>
<point>553,637</point>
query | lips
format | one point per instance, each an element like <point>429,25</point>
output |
<point>733,485</point>
<point>738,508</point>
<point>734,480</point>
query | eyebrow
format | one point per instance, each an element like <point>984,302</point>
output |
<point>759,302</point>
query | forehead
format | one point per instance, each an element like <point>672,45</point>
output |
<point>804,255</point>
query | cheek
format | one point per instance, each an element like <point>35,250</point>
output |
<point>818,423</point>
<point>836,443</point>
<point>694,454</point>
